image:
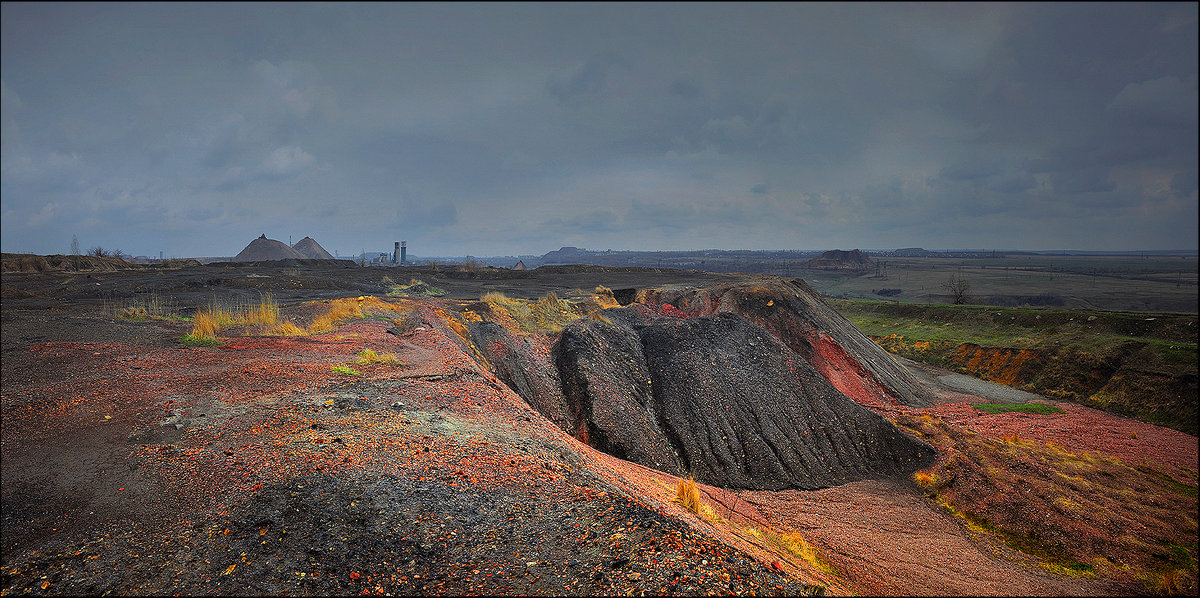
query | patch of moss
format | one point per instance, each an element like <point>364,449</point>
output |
<point>414,287</point>
<point>197,340</point>
<point>1169,482</point>
<point>341,369</point>
<point>1030,544</point>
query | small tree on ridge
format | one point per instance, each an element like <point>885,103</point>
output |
<point>958,287</point>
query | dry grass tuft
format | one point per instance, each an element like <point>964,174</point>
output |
<point>285,329</point>
<point>205,326</point>
<point>340,310</point>
<point>687,495</point>
<point>551,313</point>
<point>796,545</point>
<point>605,298</point>
<point>368,357</point>
<point>151,307</point>
<point>1166,583</point>
<point>265,315</point>
<point>926,480</point>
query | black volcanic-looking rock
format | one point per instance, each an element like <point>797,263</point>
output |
<point>798,316</point>
<point>522,364</point>
<point>744,411</point>
<point>716,396</point>
<point>608,388</point>
<point>721,399</point>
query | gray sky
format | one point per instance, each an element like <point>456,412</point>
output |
<point>506,129</point>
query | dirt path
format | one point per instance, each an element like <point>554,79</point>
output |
<point>950,386</point>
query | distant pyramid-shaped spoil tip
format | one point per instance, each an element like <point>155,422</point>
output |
<point>310,249</point>
<point>263,249</point>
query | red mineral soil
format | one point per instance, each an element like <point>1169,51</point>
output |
<point>135,465</point>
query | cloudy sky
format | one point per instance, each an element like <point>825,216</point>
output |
<point>507,129</point>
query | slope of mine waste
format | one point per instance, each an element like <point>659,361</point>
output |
<point>836,259</point>
<point>736,406</point>
<point>263,249</point>
<point>311,249</point>
<point>606,382</point>
<point>796,314</point>
<point>523,364</point>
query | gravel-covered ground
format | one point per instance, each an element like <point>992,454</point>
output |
<point>136,465</point>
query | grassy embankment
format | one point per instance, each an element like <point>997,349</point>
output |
<point>1077,513</point>
<point>1134,363</point>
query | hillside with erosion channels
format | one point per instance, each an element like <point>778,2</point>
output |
<point>312,427</point>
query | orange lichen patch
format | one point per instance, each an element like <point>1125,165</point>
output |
<point>1003,366</point>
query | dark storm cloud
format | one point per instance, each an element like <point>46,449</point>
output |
<point>587,80</point>
<point>506,128</point>
<point>686,88</point>
<point>1184,184</point>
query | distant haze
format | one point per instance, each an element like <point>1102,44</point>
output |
<point>516,129</point>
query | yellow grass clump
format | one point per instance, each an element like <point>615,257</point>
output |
<point>551,313</point>
<point>285,329</point>
<point>505,311</point>
<point>340,310</point>
<point>265,315</point>
<point>205,327</point>
<point>368,357</point>
<point>796,545</point>
<point>605,298</point>
<point>687,495</point>
<point>211,320</point>
<point>925,480</point>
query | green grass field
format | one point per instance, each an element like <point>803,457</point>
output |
<point>1141,364</point>
<point>1155,283</point>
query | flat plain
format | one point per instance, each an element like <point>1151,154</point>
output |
<point>137,463</point>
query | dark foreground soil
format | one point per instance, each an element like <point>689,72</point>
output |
<point>135,465</point>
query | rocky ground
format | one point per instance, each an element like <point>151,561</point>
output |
<point>134,464</point>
